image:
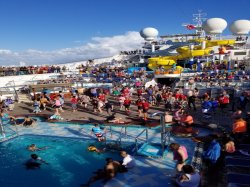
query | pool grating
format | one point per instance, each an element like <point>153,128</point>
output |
<point>152,150</point>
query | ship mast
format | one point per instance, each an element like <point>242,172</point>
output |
<point>199,18</point>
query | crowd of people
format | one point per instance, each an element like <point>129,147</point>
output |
<point>27,70</point>
<point>139,100</point>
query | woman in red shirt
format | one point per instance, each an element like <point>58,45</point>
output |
<point>126,104</point>
<point>139,105</point>
<point>145,107</point>
<point>102,97</point>
<point>74,103</point>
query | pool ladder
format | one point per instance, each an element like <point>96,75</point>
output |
<point>138,138</point>
<point>7,132</point>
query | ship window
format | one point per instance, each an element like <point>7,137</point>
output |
<point>240,53</point>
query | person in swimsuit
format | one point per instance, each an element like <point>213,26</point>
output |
<point>28,121</point>
<point>33,148</point>
<point>93,148</point>
<point>98,132</point>
<point>34,162</point>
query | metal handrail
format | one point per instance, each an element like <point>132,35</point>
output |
<point>121,133</point>
<point>3,130</point>
<point>137,138</point>
<point>141,133</point>
<point>167,137</point>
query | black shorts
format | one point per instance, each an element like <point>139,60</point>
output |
<point>127,106</point>
<point>223,105</point>
<point>145,110</point>
<point>57,106</point>
<point>139,107</point>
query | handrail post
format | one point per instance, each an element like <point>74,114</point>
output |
<point>163,131</point>
<point>110,129</point>
<point>1,128</point>
<point>136,145</point>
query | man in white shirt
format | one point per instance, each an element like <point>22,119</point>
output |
<point>128,161</point>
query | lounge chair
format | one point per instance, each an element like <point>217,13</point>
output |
<point>240,162</point>
<point>237,154</point>
<point>244,147</point>
<point>237,180</point>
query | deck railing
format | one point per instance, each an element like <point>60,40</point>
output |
<point>138,138</point>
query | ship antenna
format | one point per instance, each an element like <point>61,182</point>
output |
<point>199,18</point>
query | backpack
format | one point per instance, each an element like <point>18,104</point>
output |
<point>213,152</point>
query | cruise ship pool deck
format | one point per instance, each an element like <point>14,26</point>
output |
<point>149,171</point>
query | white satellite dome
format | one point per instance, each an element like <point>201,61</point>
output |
<point>214,25</point>
<point>149,33</point>
<point>240,27</point>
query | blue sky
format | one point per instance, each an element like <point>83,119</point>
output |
<point>56,25</point>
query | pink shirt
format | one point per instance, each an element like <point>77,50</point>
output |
<point>177,156</point>
<point>57,103</point>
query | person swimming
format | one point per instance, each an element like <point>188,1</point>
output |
<point>33,147</point>
<point>28,121</point>
<point>34,162</point>
<point>93,148</point>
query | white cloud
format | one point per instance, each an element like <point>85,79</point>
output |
<point>97,48</point>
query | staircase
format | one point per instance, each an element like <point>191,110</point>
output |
<point>24,98</point>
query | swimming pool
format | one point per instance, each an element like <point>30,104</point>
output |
<point>70,163</point>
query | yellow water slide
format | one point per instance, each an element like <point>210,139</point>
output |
<point>204,49</point>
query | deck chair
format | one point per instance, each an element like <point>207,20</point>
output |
<point>237,154</point>
<point>244,147</point>
<point>240,162</point>
<point>238,180</point>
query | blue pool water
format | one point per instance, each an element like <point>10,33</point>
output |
<point>70,163</point>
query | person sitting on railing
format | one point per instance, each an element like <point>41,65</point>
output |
<point>98,132</point>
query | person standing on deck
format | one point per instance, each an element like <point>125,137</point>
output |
<point>74,103</point>
<point>145,108</point>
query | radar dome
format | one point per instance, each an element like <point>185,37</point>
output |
<point>240,27</point>
<point>214,25</point>
<point>149,33</point>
